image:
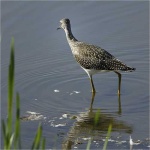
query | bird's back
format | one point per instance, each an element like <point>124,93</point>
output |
<point>93,57</point>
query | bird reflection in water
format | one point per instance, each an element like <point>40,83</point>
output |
<point>85,126</point>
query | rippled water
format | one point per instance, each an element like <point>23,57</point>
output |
<point>51,83</point>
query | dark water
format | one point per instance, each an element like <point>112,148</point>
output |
<point>51,83</point>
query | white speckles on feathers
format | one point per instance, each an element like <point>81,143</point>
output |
<point>93,57</point>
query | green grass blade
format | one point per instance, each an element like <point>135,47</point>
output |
<point>89,144</point>
<point>11,77</point>
<point>4,133</point>
<point>43,144</point>
<point>4,129</point>
<point>17,140</point>
<point>107,137</point>
<point>11,71</point>
<point>37,139</point>
<point>97,117</point>
<point>11,139</point>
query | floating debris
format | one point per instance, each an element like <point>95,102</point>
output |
<point>74,92</point>
<point>86,138</point>
<point>148,146</point>
<point>65,115</point>
<point>110,140</point>
<point>54,122</point>
<point>51,120</point>
<point>56,91</point>
<point>58,125</point>
<point>33,116</point>
<point>32,113</point>
<point>75,147</point>
<point>77,92</point>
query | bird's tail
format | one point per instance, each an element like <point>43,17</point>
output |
<point>130,69</point>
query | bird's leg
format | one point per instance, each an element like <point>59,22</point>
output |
<point>119,105</point>
<point>119,83</point>
<point>92,84</point>
<point>92,100</point>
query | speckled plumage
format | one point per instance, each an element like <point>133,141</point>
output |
<point>90,57</point>
<point>93,57</point>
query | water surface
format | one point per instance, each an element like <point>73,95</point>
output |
<point>51,83</point>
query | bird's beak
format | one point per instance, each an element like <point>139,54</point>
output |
<point>58,28</point>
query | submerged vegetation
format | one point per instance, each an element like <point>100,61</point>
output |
<point>11,131</point>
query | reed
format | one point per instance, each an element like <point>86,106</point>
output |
<point>7,127</point>
<point>38,140</point>
<point>97,117</point>
<point>11,134</point>
<point>107,137</point>
<point>89,144</point>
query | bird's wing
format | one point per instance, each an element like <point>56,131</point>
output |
<point>97,64</point>
<point>93,51</point>
<point>93,57</point>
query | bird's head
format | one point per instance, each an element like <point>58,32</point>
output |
<point>64,24</point>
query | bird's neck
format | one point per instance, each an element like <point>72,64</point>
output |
<point>69,36</point>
